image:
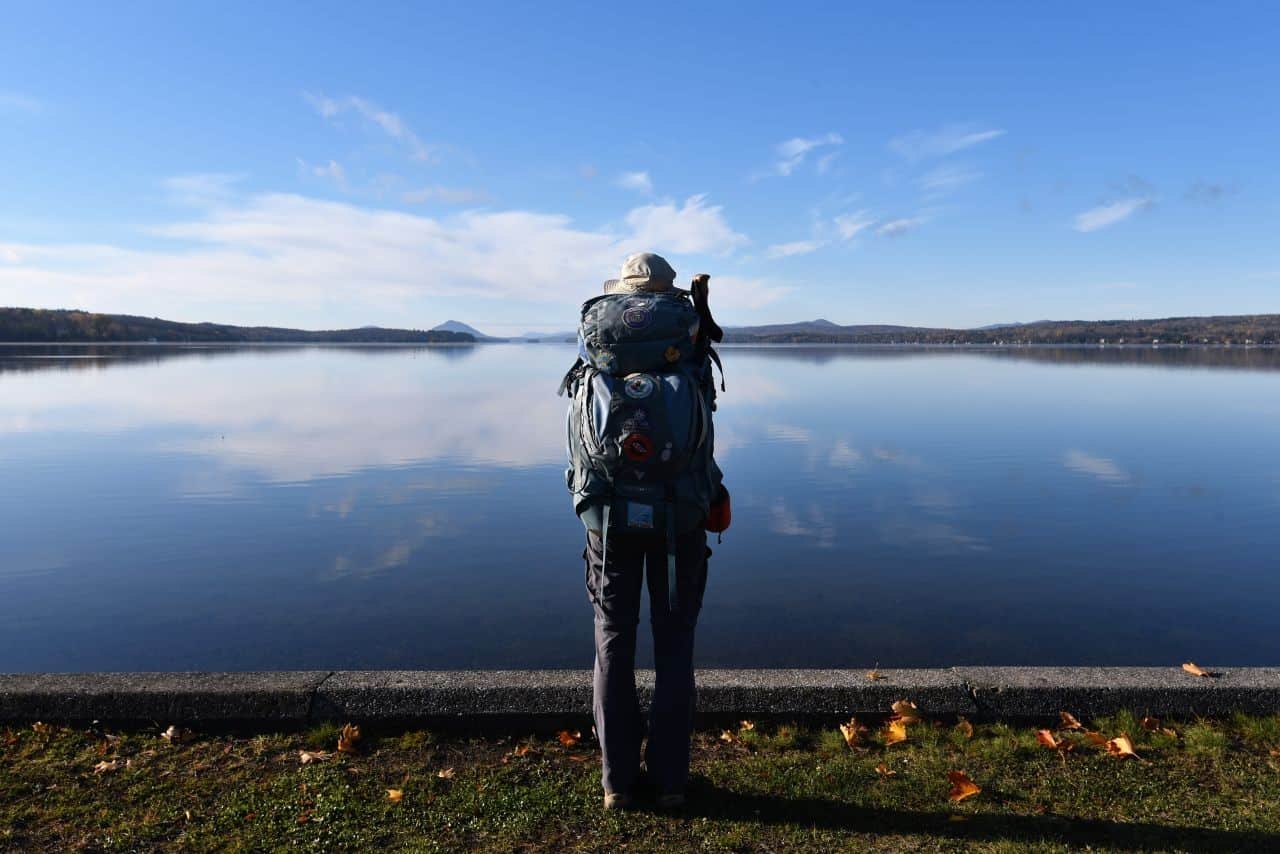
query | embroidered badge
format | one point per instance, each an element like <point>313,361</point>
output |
<point>672,354</point>
<point>638,386</point>
<point>637,318</point>
<point>637,447</point>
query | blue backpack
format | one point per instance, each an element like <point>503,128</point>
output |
<point>639,425</point>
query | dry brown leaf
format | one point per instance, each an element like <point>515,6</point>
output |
<point>884,770</point>
<point>395,795</point>
<point>961,786</point>
<point>569,739</point>
<point>895,731</point>
<point>1196,670</point>
<point>177,735</point>
<point>906,711</point>
<point>852,732</point>
<point>1069,721</point>
<point>42,728</point>
<point>874,674</point>
<point>445,774</point>
<point>1121,746</point>
<point>105,766</point>
<point>1169,731</point>
<point>1150,724</point>
<point>1045,737</point>
<point>747,726</point>
<point>348,738</point>
<point>728,737</point>
<point>521,750</point>
<point>578,757</point>
<point>306,757</point>
<point>1097,739</point>
<point>964,728</point>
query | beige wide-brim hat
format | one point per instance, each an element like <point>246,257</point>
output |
<point>644,272</point>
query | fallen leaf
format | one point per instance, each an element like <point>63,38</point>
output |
<point>42,728</point>
<point>884,770</point>
<point>748,726</point>
<point>728,737</point>
<point>175,735</point>
<point>569,739</point>
<point>10,737</point>
<point>521,750</point>
<point>306,757</point>
<point>578,757</point>
<point>302,819</point>
<point>894,732</point>
<point>874,674</point>
<point>1097,739</point>
<point>1150,724</point>
<point>1069,721</point>
<point>961,786</point>
<point>105,766</point>
<point>1046,738</point>
<point>1121,746</point>
<point>906,711</point>
<point>445,774</point>
<point>348,738</point>
<point>1196,670</point>
<point>852,732</point>
<point>1169,731</point>
<point>965,728</point>
<point>395,795</point>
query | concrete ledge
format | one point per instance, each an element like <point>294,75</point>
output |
<point>1032,692</point>
<point>249,697</point>
<point>507,697</point>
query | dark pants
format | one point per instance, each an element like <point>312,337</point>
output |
<point>617,611</point>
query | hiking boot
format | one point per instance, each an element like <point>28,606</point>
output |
<point>670,801</point>
<point>618,801</point>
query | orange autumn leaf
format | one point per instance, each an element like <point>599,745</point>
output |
<point>906,711</point>
<point>961,786</point>
<point>105,766</point>
<point>1169,731</point>
<point>1121,746</point>
<point>728,737</point>
<point>1069,721</point>
<point>852,732</point>
<point>445,774</point>
<point>1196,670</point>
<point>1046,739</point>
<point>306,757</point>
<point>884,770</point>
<point>348,738</point>
<point>1097,739</point>
<point>747,726</point>
<point>894,732</point>
<point>569,739</point>
<point>874,674</point>
<point>395,795</point>
<point>965,728</point>
<point>521,750</point>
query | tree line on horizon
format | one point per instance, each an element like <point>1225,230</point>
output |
<point>44,326</point>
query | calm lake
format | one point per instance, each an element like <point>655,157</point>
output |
<point>175,508</point>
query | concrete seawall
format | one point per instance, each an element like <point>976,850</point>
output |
<point>532,697</point>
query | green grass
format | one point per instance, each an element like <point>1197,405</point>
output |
<point>1204,786</point>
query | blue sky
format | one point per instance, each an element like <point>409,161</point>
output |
<point>334,165</point>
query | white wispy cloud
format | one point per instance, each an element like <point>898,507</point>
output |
<point>919,144</point>
<point>850,225</point>
<point>332,170</point>
<point>692,227</point>
<point>448,195</point>
<point>638,181</point>
<point>899,227</point>
<point>1110,214</point>
<point>944,179</point>
<point>796,247</point>
<point>388,122</point>
<point>19,101</point>
<point>1095,466</point>
<point>202,188</point>
<point>793,152</point>
<point>279,252</point>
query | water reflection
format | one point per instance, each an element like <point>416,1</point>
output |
<point>222,507</point>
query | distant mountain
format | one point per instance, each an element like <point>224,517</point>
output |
<point>457,326</point>
<point>60,325</point>
<point>571,335</point>
<point>1227,329</point>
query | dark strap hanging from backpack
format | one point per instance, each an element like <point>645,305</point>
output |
<point>708,329</point>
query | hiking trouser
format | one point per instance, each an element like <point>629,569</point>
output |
<point>617,612</point>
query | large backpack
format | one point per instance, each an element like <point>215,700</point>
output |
<point>639,425</point>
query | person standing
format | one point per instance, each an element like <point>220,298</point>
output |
<point>645,483</point>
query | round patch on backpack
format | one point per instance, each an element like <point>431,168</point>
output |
<point>672,354</point>
<point>637,447</point>
<point>637,318</point>
<point>638,386</point>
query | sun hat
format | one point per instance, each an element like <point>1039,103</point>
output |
<point>643,272</point>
